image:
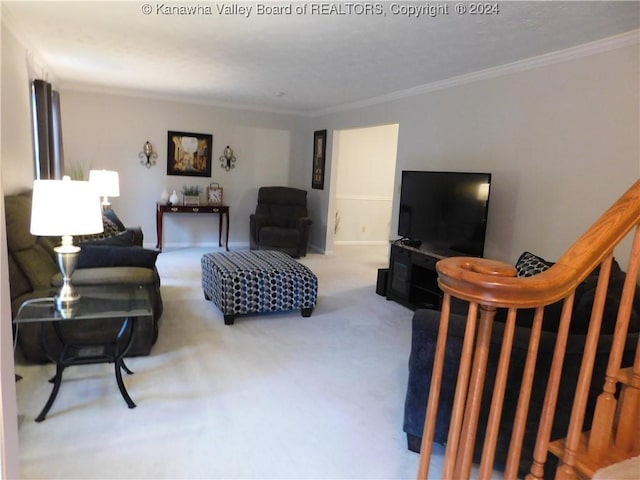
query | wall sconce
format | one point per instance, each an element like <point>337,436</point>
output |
<point>227,159</point>
<point>148,154</point>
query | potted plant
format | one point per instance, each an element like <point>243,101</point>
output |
<point>191,195</point>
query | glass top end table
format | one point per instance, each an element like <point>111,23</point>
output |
<point>122,304</point>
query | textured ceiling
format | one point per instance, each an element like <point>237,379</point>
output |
<point>302,62</point>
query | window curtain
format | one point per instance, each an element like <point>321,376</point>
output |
<point>47,128</point>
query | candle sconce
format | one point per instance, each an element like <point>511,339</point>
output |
<point>227,159</point>
<point>147,155</point>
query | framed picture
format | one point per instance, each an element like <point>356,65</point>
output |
<point>319,147</point>
<point>189,154</point>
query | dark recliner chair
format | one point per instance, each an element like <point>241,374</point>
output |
<point>280,221</point>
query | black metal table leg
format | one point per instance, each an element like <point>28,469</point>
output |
<point>125,368</point>
<point>119,305</point>
<point>57,380</point>
<point>123,342</point>
<point>123,390</point>
<point>125,330</point>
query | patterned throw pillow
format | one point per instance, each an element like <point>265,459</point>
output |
<point>110,230</point>
<point>529,265</point>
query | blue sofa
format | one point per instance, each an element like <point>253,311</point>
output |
<point>425,325</point>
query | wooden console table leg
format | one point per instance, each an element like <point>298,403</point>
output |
<point>159,228</point>
<point>226,242</point>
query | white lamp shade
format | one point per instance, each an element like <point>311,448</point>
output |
<point>65,207</point>
<point>106,182</point>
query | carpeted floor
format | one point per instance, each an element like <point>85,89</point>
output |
<point>273,396</point>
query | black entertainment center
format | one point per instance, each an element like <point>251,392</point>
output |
<point>412,279</point>
<point>442,214</point>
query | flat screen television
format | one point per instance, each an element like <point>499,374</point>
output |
<point>446,212</point>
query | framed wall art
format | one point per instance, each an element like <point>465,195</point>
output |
<point>189,154</point>
<point>319,148</point>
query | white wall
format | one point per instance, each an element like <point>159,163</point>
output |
<point>562,142</point>
<point>17,139</point>
<point>14,143</point>
<point>366,159</point>
<point>103,130</point>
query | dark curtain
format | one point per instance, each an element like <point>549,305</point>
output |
<point>49,157</point>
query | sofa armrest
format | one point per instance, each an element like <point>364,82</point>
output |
<point>138,236</point>
<point>109,276</point>
<point>92,256</point>
<point>425,325</point>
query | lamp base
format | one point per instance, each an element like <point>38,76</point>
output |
<point>67,309</point>
<point>67,295</point>
<point>106,206</point>
<point>67,255</point>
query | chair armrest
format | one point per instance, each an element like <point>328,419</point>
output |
<point>304,222</point>
<point>256,222</point>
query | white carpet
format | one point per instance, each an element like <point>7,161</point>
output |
<point>273,396</point>
<point>626,470</point>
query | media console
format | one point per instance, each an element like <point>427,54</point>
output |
<point>412,279</point>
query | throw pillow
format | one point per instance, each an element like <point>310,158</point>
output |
<point>121,239</point>
<point>111,215</point>
<point>529,265</point>
<point>96,256</point>
<point>110,229</point>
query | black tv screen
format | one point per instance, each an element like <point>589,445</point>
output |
<point>445,211</point>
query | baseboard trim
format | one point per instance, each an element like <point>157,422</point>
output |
<point>361,242</point>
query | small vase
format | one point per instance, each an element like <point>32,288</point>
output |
<point>164,196</point>
<point>173,199</point>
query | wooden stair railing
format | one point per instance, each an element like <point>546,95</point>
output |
<point>488,285</point>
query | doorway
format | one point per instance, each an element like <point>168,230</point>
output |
<point>362,185</point>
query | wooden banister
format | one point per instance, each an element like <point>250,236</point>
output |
<point>487,285</point>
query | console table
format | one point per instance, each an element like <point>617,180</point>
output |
<point>220,210</point>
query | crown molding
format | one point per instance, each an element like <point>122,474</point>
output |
<point>560,56</point>
<point>145,94</point>
<point>36,66</point>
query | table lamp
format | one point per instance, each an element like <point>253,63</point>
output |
<point>65,208</point>
<point>107,184</point>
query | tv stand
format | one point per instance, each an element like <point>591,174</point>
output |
<point>413,280</point>
<point>410,242</point>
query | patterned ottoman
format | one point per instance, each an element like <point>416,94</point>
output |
<point>257,281</point>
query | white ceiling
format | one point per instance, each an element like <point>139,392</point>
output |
<point>304,63</point>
